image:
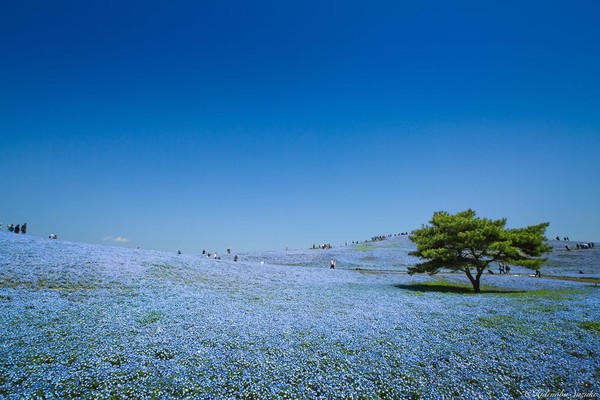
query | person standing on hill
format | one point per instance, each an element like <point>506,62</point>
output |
<point>24,228</point>
<point>332,264</point>
<point>18,228</point>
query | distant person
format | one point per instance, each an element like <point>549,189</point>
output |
<point>568,249</point>
<point>0,226</point>
<point>18,228</point>
<point>24,228</point>
<point>235,258</point>
<point>10,228</point>
<point>203,252</point>
<point>332,264</point>
<point>178,251</point>
<point>228,250</point>
<point>507,267</point>
<point>538,273</point>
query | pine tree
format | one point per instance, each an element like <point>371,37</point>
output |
<point>464,242</point>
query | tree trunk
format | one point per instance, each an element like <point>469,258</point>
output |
<point>475,283</point>
<point>474,280</point>
<point>477,277</point>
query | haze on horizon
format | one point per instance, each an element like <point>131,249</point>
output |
<point>254,126</point>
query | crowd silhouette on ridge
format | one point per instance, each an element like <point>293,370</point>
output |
<point>16,229</point>
<point>378,238</point>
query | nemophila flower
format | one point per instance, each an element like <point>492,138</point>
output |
<point>95,321</point>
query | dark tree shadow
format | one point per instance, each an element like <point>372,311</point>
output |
<point>450,288</point>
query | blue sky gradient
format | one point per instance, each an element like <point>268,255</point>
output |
<point>203,125</point>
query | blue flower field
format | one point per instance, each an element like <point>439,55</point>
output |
<point>100,322</point>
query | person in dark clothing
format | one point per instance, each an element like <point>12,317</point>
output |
<point>24,228</point>
<point>18,228</point>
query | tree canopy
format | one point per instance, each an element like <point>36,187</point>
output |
<point>464,242</point>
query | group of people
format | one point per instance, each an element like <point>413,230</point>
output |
<point>377,238</point>
<point>503,269</point>
<point>586,245</point>
<point>16,229</point>
<point>216,256</point>
<point>213,255</point>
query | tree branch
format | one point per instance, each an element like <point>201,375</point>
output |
<point>468,272</point>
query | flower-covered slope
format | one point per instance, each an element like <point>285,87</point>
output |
<point>87,321</point>
<point>393,254</point>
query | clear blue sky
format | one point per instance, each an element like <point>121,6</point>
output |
<point>200,125</point>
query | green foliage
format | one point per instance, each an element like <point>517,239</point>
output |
<point>363,247</point>
<point>505,323</point>
<point>463,242</point>
<point>150,318</point>
<point>592,326</point>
